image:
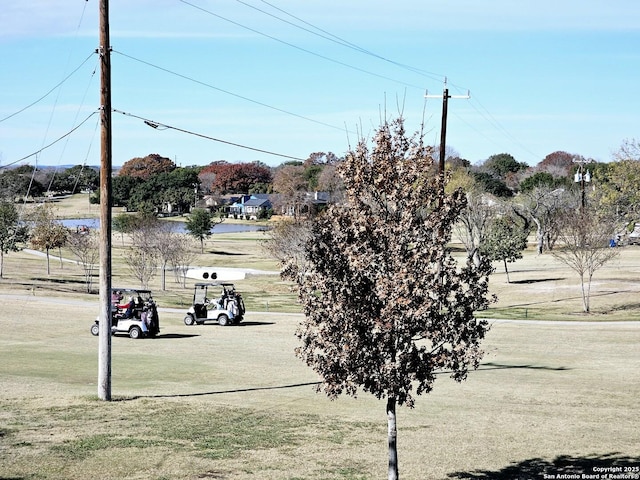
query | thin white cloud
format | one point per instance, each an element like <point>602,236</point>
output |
<point>173,34</point>
<point>463,15</point>
<point>171,18</point>
<point>37,18</point>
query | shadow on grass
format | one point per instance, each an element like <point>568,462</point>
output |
<point>253,324</point>
<point>219,392</point>
<point>624,307</point>
<point>228,254</point>
<point>213,323</point>
<point>173,335</point>
<point>564,299</point>
<point>536,280</point>
<point>504,366</point>
<point>485,366</point>
<point>610,465</point>
<point>58,280</point>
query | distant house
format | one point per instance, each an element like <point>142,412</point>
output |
<point>253,206</point>
<point>303,204</point>
<point>212,202</point>
<point>217,203</point>
<point>318,200</point>
<point>250,207</point>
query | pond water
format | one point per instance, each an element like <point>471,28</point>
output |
<point>179,226</point>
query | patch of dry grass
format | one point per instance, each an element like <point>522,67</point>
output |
<point>543,288</point>
<point>234,403</point>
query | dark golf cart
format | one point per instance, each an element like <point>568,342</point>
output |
<point>215,302</point>
<point>133,312</point>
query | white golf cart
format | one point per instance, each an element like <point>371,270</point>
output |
<point>215,302</point>
<point>133,312</point>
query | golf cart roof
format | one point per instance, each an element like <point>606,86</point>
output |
<point>214,284</point>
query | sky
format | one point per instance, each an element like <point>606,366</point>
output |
<point>277,80</point>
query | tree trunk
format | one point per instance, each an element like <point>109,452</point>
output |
<point>164,276</point>
<point>549,241</point>
<point>589,294</point>
<point>506,270</point>
<point>48,268</point>
<point>476,256</point>
<point>585,294</point>
<point>539,235</point>
<point>393,439</point>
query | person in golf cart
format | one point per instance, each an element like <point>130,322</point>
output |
<point>126,310</point>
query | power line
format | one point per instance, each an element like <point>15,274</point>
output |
<point>338,40</point>
<point>63,81</point>
<point>156,125</point>
<point>84,164</point>
<point>299,48</point>
<point>500,128</point>
<point>75,118</point>
<point>208,85</point>
<point>53,111</point>
<point>341,41</point>
<point>49,92</point>
<point>52,143</point>
<point>333,38</point>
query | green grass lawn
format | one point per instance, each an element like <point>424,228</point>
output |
<point>556,396</point>
<point>234,403</point>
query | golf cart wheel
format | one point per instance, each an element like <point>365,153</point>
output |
<point>95,329</point>
<point>135,332</point>
<point>188,320</point>
<point>223,320</point>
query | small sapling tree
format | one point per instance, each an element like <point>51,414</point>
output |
<point>47,232</point>
<point>386,305</point>
<point>144,256</point>
<point>85,246</point>
<point>181,257</point>
<point>11,231</point>
<point>585,247</point>
<point>124,223</point>
<point>504,241</point>
<point>199,225</point>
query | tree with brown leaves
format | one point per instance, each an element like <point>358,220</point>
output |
<point>386,305</point>
<point>146,167</point>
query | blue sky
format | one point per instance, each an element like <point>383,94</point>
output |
<point>277,76</point>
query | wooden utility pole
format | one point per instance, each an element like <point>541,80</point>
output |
<point>104,349</point>
<point>443,145</point>
<point>443,128</point>
<point>443,137</point>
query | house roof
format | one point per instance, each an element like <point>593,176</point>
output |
<point>319,197</point>
<point>257,202</point>
<point>264,196</point>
